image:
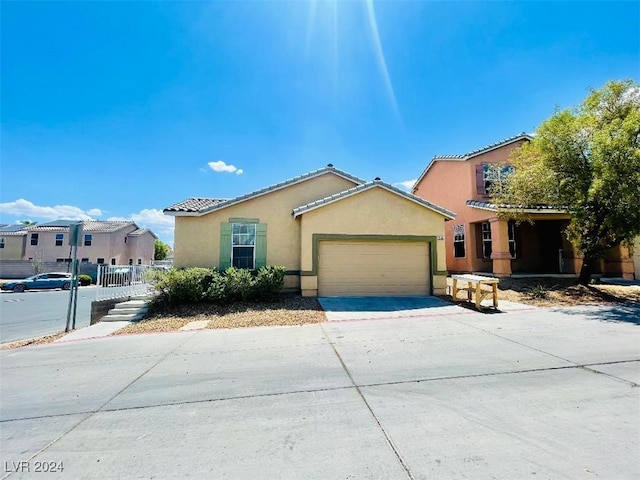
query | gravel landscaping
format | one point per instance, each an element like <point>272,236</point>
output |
<point>291,310</point>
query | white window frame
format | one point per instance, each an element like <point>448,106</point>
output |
<point>459,237</point>
<point>486,239</point>
<point>87,240</point>
<point>244,245</point>
<point>60,240</point>
<point>1,242</point>
<point>511,232</point>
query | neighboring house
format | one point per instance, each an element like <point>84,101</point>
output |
<point>109,242</point>
<point>481,241</point>
<point>334,233</point>
<point>12,242</point>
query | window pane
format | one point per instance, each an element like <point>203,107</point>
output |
<point>243,257</point>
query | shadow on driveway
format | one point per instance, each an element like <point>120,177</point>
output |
<point>626,313</point>
<point>350,308</point>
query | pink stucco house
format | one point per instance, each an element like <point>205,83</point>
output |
<point>478,240</point>
<point>103,242</point>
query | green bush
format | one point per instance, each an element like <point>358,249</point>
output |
<point>268,283</point>
<point>238,284</point>
<point>181,286</point>
<point>195,285</point>
<point>84,280</point>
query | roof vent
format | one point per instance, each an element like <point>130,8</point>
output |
<point>330,165</point>
<point>377,179</point>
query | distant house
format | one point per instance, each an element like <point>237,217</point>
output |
<point>336,234</point>
<point>103,242</point>
<point>12,242</point>
<point>481,241</point>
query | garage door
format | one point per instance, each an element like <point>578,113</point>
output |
<point>353,268</point>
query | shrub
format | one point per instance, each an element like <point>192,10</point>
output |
<point>194,285</point>
<point>539,292</point>
<point>238,284</point>
<point>268,283</point>
<point>179,286</point>
<point>84,280</point>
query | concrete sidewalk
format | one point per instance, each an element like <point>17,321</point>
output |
<point>544,393</point>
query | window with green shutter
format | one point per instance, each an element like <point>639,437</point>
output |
<point>243,245</point>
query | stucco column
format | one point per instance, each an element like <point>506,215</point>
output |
<point>500,248</point>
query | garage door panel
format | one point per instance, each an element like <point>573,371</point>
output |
<point>373,268</point>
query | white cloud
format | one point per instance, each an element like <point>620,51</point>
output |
<point>407,184</point>
<point>155,220</point>
<point>25,208</point>
<point>221,167</point>
<point>151,218</point>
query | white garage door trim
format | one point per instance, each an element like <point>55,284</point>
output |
<point>373,267</point>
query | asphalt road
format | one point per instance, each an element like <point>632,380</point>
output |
<point>37,313</point>
<point>542,393</point>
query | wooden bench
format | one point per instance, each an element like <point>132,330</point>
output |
<point>475,284</point>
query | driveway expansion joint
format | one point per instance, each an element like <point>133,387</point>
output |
<point>390,443</point>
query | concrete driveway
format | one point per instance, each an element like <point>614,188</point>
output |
<point>540,393</point>
<point>367,308</point>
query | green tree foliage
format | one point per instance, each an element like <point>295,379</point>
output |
<point>161,250</point>
<point>585,160</point>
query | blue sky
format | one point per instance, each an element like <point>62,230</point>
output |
<point>115,110</point>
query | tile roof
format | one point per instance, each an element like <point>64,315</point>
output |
<point>366,186</point>
<point>529,209</point>
<point>13,230</point>
<point>473,153</point>
<point>88,226</point>
<point>200,206</point>
<point>141,231</point>
<point>195,204</point>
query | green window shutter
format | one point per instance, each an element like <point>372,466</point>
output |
<point>261,245</point>
<point>225,246</point>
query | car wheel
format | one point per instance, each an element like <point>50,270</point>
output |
<point>66,285</point>
<point>19,288</point>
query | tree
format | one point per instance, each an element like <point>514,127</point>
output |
<point>586,161</point>
<point>161,250</point>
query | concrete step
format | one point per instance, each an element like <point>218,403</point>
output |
<point>127,317</point>
<point>132,304</point>
<point>123,311</point>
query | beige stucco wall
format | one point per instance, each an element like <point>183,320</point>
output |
<point>13,247</point>
<point>197,239</point>
<point>372,212</point>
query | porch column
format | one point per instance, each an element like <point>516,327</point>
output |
<point>500,247</point>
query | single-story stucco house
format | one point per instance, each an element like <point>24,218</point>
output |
<point>335,233</point>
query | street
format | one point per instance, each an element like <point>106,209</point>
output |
<point>37,313</point>
<point>536,393</point>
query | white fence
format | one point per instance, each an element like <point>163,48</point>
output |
<point>120,281</point>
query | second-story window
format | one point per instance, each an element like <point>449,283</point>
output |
<point>59,239</point>
<point>2,242</point>
<point>458,241</point>
<point>88,238</point>
<point>34,239</point>
<point>492,177</point>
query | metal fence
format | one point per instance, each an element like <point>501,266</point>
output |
<point>120,281</point>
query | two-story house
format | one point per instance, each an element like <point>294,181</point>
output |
<point>103,242</point>
<point>479,240</point>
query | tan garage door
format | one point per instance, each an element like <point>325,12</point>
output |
<point>353,268</point>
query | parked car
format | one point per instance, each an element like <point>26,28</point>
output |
<point>41,281</point>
